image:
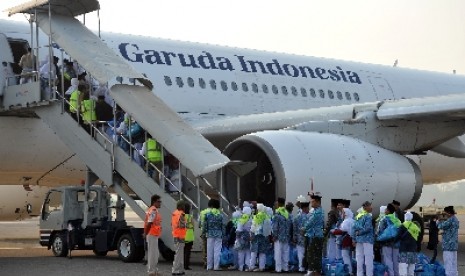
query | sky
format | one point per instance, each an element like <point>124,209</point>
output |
<point>421,34</point>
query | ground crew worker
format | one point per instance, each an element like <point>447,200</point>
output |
<point>178,225</point>
<point>189,240</point>
<point>152,231</point>
<point>151,149</point>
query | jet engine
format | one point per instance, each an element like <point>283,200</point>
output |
<point>293,163</point>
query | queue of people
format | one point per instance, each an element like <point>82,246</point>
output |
<point>261,233</point>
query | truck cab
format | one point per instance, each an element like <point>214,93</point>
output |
<point>76,218</point>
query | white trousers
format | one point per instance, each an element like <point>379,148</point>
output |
<point>347,258</point>
<point>152,254</point>
<point>406,269</point>
<point>300,257</point>
<point>450,263</point>
<point>261,260</point>
<point>331,248</point>
<point>178,262</point>
<point>364,255</point>
<point>213,253</point>
<point>281,256</point>
<point>391,259</point>
<point>243,258</point>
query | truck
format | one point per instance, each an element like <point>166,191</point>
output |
<point>85,218</point>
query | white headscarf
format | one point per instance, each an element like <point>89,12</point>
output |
<point>408,216</point>
<point>74,86</point>
<point>247,210</point>
<point>261,207</point>
<point>348,221</point>
<point>269,211</point>
<point>236,214</point>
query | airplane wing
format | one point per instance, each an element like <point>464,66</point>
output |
<point>440,107</point>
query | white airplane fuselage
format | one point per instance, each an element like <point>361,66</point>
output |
<point>207,82</point>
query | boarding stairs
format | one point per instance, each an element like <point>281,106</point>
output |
<point>104,159</point>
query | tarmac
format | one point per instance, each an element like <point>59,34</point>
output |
<point>21,254</point>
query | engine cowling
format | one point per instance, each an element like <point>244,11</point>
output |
<point>339,166</point>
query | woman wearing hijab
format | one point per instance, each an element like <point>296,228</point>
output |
<point>408,235</point>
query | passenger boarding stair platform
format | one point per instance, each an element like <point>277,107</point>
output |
<point>101,155</point>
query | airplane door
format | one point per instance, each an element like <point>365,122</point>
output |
<point>5,52</point>
<point>381,88</point>
<point>5,55</point>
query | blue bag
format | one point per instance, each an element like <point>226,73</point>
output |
<point>390,233</point>
<point>293,259</point>
<point>336,268</point>
<point>379,269</point>
<point>226,256</point>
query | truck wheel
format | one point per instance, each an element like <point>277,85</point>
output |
<point>100,253</point>
<point>127,250</point>
<point>59,245</point>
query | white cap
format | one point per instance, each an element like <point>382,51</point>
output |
<point>408,216</point>
<point>301,198</point>
<point>260,207</point>
<point>382,209</point>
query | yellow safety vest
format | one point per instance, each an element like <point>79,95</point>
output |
<point>88,111</point>
<point>73,101</point>
<point>190,229</point>
<point>153,151</point>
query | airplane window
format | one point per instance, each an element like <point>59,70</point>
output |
<point>330,94</point>
<point>284,90</point>
<point>234,86</point>
<point>294,91</point>
<point>202,83</point>
<point>356,97</point>
<point>224,86</point>
<point>303,91</point>
<point>312,92</point>
<point>190,82</point>
<point>348,96</point>
<point>322,93</point>
<point>265,88</point>
<point>168,81</point>
<point>179,81</point>
<point>275,89</point>
<point>339,95</point>
<point>245,87</point>
<point>254,87</point>
<point>213,84</point>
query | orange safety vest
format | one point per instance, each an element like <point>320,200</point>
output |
<point>155,229</point>
<point>178,223</point>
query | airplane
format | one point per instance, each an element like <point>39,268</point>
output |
<point>344,129</point>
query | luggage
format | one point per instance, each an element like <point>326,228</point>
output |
<point>335,268</point>
<point>226,257</point>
